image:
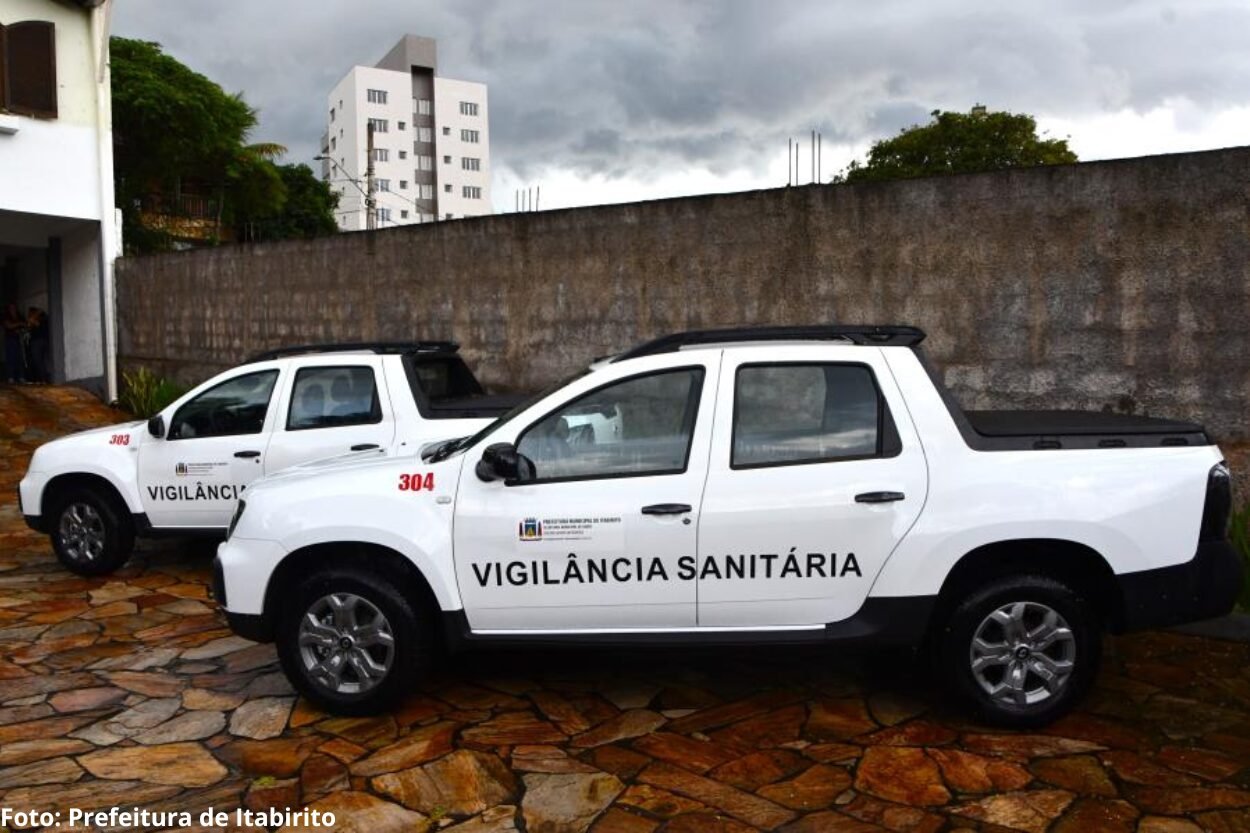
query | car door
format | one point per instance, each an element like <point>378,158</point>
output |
<point>814,479</point>
<point>331,407</point>
<point>604,535</point>
<point>214,445</point>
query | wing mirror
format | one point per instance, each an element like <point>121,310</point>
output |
<point>156,426</point>
<point>501,461</point>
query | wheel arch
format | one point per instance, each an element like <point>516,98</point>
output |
<point>1078,565</point>
<point>60,485</point>
<point>382,560</point>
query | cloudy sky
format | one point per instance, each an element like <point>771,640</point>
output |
<point>608,101</point>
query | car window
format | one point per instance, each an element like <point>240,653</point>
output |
<point>805,413</point>
<point>236,406</point>
<point>637,426</point>
<point>443,379</point>
<point>331,397</point>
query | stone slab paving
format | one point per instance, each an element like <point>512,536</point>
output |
<point>129,691</point>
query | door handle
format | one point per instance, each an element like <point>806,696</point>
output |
<point>879,497</point>
<point>246,454</point>
<point>667,509</point>
<point>364,446</point>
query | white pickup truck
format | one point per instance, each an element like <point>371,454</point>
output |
<point>183,471</point>
<point>767,485</point>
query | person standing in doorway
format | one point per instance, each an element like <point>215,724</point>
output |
<point>14,327</point>
<point>39,344</point>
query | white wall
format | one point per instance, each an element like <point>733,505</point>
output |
<point>80,304</point>
<point>52,166</point>
<point>448,93</point>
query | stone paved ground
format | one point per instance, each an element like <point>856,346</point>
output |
<point>130,691</point>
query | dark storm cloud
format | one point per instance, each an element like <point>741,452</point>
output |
<point>647,88</point>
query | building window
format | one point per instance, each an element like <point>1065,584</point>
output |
<point>423,106</point>
<point>470,136</point>
<point>448,216</point>
<point>381,155</point>
<point>446,159</point>
<point>447,188</point>
<point>446,131</point>
<point>383,184</point>
<point>424,134</point>
<point>471,192</point>
<point>425,163</point>
<point>470,163</point>
<point>377,96</point>
<point>378,125</point>
<point>331,115</point>
<point>28,68</point>
<point>402,125</point>
<point>425,192</point>
<point>403,185</point>
<point>384,215</point>
<point>468,108</point>
<point>403,154</point>
<point>403,215</point>
<point>333,142</point>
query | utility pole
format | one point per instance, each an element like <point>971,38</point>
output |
<point>371,221</point>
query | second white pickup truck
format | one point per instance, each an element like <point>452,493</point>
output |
<point>763,486</point>
<point>183,471</point>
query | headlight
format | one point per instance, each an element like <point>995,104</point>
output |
<point>238,513</point>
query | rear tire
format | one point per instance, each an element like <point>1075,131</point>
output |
<point>92,533</point>
<point>1021,651</point>
<point>351,642</point>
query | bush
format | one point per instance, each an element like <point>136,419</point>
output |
<point>1239,534</point>
<point>145,394</point>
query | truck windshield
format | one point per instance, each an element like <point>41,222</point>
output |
<point>452,446</point>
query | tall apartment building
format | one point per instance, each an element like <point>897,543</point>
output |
<point>431,141</point>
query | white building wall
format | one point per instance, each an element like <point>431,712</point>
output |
<point>346,142</point>
<point>57,173</point>
<point>453,149</point>
<point>51,166</point>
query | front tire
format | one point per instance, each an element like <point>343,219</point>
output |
<point>351,642</point>
<point>92,535</point>
<point>1021,651</point>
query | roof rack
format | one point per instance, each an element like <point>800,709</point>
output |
<point>370,346</point>
<point>881,336</point>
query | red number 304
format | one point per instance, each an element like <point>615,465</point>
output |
<point>416,482</point>
<point>119,439</point>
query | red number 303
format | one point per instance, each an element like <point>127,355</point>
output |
<point>119,439</point>
<point>416,482</point>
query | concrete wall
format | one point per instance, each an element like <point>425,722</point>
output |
<point>1118,285</point>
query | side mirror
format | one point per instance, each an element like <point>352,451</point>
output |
<point>156,426</point>
<point>501,461</point>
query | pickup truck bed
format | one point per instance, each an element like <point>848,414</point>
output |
<point>1073,423</point>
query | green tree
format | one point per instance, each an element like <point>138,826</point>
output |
<point>181,147</point>
<point>960,143</point>
<point>307,211</point>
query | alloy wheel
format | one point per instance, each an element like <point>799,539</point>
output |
<point>82,532</point>
<point>1022,654</point>
<point>346,643</point>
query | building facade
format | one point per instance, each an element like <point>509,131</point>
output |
<point>59,230</point>
<point>431,142</point>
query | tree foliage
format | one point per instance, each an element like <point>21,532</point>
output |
<point>308,210</point>
<point>955,143</point>
<point>178,134</point>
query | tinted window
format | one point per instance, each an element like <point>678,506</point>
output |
<point>330,397</point>
<point>805,413</point>
<point>237,406</point>
<point>443,379</point>
<point>641,425</point>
